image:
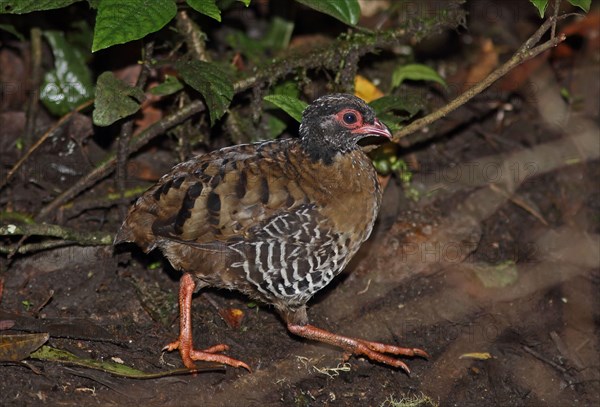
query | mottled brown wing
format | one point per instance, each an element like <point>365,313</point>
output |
<point>286,258</point>
<point>216,197</point>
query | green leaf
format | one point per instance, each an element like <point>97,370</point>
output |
<point>168,87</point>
<point>11,29</point>
<point>390,103</point>
<point>279,34</point>
<point>287,88</point>
<point>277,38</point>
<point>121,21</point>
<point>292,106</point>
<point>394,110</point>
<point>50,354</point>
<point>540,5</point>
<point>28,6</point>
<point>240,42</point>
<point>274,125</point>
<point>582,4</point>
<point>81,35</point>
<point>498,276</point>
<point>246,2</point>
<point>69,84</point>
<point>206,7</point>
<point>415,72</point>
<point>213,81</point>
<point>114,100</point>
<point>347,11</point>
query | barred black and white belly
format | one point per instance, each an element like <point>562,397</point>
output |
<point>293,256</point>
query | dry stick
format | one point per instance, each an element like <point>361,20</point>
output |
<point>556,8</point>
<point>127,130</point>
<point>36,79</point>
<point>62,232</point>
<point>121,160</point>
<point>520,202</point>
<point>524,53</point>
<point>51,131</point>
<point>106,167</point>
<point>20,248</point>
<point>329,57</point>
<point>193,36</point>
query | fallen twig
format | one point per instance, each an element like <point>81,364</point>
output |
<point>62,232</point>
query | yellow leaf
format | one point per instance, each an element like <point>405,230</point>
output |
<point>476,355</point>
<point>365,89</point>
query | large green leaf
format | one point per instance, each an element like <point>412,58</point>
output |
<point>28,6</point>
<point>69,84</point>
<point>114,100</point>
<point>540,5</point>
<point>582,4</point>
<point>415,72</point>
<point>206,7</point>
<point>347,11</point>
<point>121,21</point>
<point>213,81</point>
<point>292,106</point>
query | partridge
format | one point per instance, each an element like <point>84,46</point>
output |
<point>276,220</point>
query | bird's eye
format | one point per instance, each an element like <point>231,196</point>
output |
<point>350,118</point>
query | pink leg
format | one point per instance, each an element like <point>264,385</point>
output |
<point>184,342</point>
<point>373,350</point>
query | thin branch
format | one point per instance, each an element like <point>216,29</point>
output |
<point>127,128</point>
<point>330,56</point>
<point>62,232</point>
<point>555,10</point>
<point>194,37</point>
<point>34,247</point>
<point>525,52</point>
<point>78,206</point>
<point>51,131</point>
<point>36,80</point>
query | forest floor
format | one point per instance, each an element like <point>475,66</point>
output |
<point>494,271</point>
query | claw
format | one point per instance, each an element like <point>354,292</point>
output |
<point>376,351</point>
<point>188,356</point>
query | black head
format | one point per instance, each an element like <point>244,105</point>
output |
<point>334,124</point>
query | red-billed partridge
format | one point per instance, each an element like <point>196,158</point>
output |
<point>276,220</point>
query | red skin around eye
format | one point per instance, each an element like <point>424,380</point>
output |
<point>355,125</point>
